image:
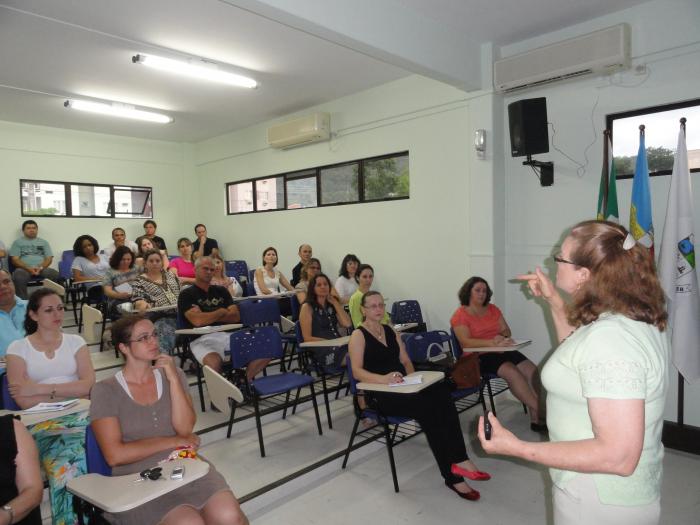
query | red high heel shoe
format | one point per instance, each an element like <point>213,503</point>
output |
<point>474,475</point>
<point>472,495</point>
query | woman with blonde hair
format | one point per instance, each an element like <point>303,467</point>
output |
<point>606,382</point>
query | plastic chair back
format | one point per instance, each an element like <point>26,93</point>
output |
<point>407,311</point>
<point>418,345</point>
<point>64,269</point>
<point>259,312</point>
<point>456,347</point>
<point>94,459</point>
<point>237,269</point>
<point>351,378</point>
<point>7,402</point>
<point>296,307</point>
<point>256,343</point>
<point>298,334</point>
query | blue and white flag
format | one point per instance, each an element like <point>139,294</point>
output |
<point>640,212</point>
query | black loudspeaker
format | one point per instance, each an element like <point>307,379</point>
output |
<point>527,120</point>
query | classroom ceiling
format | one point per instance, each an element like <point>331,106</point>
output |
<point>302,53</point>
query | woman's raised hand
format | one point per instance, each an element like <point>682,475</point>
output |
<point>167,364</point>
<point>540,285</point>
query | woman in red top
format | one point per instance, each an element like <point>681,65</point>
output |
<point>477,323</point>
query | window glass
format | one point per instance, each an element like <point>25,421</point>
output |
<point>89,201</point>
<point>660,137</point>
<point>240,197</point>
<point>269,194</point>
<point>301,193</point>
<point>43,198</point>
<point>386,178</point>
<point>340,184</point>
<point>132,202</point>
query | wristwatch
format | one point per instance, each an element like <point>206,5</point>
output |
<point>8,509</point>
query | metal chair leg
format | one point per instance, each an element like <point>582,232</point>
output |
<point>352,439</point>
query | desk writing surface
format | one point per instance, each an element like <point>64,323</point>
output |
<point>429,377</point>
<point>402,327</point>
<point>492,349</point>
<point>339,341</point>
<point>32,419</point>
<point>279,295</point>
<point>208,329</point>
<point>121,493</point>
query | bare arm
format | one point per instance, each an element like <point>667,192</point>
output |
<point>284,282</point>
<point>47,262</point>
<point>30,487</point>
<point>356,350</point>
<point>616,446</point>
<point>343,317</point>
<point>541,286</point>
<point>182,412</point>
<point>110,292</point>
<point>18,263</point>
<point>305,323</point>
<point>467,341</point>
<point>28,393</point>
<point>403,355</point>
<point>198,318</point>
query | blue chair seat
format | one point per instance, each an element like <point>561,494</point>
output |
<point>278,383</point>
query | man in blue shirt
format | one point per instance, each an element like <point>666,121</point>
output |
<point>13,310</point>
<point>31,257</point>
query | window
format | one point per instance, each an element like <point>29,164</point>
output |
<point>662,124</point>
<point>67,199</point>
<point>365,180</point>
<point>340,184</point>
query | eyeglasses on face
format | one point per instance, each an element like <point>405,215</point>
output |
<point>558,258</point>
<point>375,306</point>
<point>145,338</point>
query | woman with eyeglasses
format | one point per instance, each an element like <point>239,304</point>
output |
<point>308,272</point>
<point>49,365</point>
<point>378,355</point>
<point>478,323</point>
<point>606,382</point>
<point>142,414</point>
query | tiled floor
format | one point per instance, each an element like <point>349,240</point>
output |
<point>518,493</point>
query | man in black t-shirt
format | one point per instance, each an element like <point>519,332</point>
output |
<point>305,253</point>
<point>204,245</point>
<point>149,228</point>
<point>204,304</point>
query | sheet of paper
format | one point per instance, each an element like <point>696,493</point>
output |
<point>51,407</point>
<point>409,380</point>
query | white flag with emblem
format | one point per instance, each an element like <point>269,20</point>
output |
<point>677,268</point>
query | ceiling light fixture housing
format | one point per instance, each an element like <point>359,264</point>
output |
<point>117,109</point>
<point>195,68</point>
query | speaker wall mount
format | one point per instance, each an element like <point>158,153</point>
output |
<point>543,170</point>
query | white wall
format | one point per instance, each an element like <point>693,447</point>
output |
<point>35,152</point>
<point>664,37</point>
<point>421,247</point>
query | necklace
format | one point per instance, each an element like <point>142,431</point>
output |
<point>378,335</point>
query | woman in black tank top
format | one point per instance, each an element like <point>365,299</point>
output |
<point>378,356</point>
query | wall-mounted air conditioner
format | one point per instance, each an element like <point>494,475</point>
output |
<point>602,52</point>
<point>303,130</point>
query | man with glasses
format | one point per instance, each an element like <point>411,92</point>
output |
<point>13,311</point>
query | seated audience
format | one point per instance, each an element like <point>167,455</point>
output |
<point>204,304</point>
<point>149,228</point>
<point>49,365</point>
<point>183,266</point>
<point>144,245</point>
<point>308,271</point>
<point>221,279</point>
<point>305,253</point>
<point>88,263</point>
<point>117,283</point>
<point>346,283</point>
<point>21,487</point>
<point>31,257</point>
<point>119,239</point>
<point>322,312</point>
<point>365,274</point>
<point>477,323</point>
<point>156,288</point>
<point>378,355</point>
<point>13,310</point>
<point>203,245</point>
<point>268,280</point>
<point>144,413</point>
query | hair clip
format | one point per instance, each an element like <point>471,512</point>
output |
<point>629,242</point>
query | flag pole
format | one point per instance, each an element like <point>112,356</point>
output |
<point>681,380</point>
<point>606,171</point>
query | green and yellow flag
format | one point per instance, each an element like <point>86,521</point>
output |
<point>607,196</point>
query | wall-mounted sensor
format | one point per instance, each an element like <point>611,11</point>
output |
<point>480,142</point>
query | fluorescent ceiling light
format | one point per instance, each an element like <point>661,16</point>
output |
<point>195,68</point>
<point>116,109</point>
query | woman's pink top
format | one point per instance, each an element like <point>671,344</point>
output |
<point>486,327</point>
<point>184,268</point>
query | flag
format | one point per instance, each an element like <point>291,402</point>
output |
<point>640,212</point>
<point>607,195</point>
<point>677,268</point>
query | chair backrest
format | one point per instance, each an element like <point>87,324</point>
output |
<point>7,402</point>
<point>351,378</point>
<point>94,459</point>
<point>295,306</point>
<point>250,285</point>
<point>256,343</point>
<point>456,347</point>
<point>237,269</point>
<point>64,269</point>
<point>298,334</point>
<point>259,312</point>
<point>220,389</point>
<point>418,345</point>
<point>407,311</point>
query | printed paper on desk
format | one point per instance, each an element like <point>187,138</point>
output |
<point>409,380</point>
<point>51,407</point>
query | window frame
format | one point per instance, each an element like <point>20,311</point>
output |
<point>611,117</point>
<point>316,173</point>
<point>69,200</point>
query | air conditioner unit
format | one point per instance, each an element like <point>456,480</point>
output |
<point>604,51</point>
<point>303,130</point>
